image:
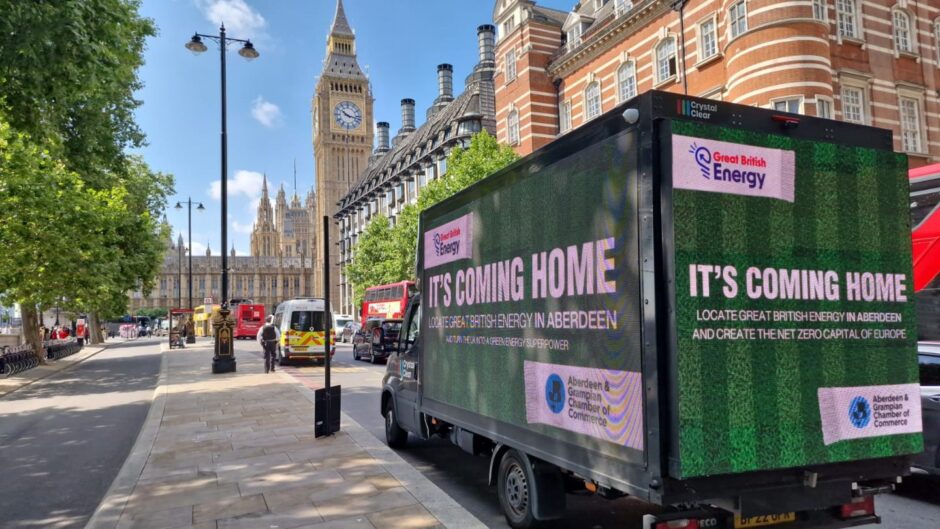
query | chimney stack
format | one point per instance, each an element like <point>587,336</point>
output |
<point>445,82</point>
<point>407,116</point>
<point>486,35</point>
<point>382,127</point>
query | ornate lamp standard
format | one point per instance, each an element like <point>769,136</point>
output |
<point>224,359</point>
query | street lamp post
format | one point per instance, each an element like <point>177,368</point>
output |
<point>179,272</point>
<point>224,359</point>
<point>190,337</point>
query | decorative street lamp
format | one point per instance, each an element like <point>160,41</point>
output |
<point>224,359</point>
<point>190,337</point>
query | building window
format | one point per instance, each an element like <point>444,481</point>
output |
<point>592,100</point>
<point>737,18</point>
<point>936,39</point>
<point>794,105</point>
<point>622,6</point>
<point>853,105</point>
<point>510,59</point>
<point>665,60</point>
<point>823,108</point>
<point>707,39</point>
<point>512,124</point>
<point>819,10</point>
<point>509,25</point>
<point>847,18</point>
<point>564,116</point>
<point>902,32</point>
<point>910,125</point>
<point>574,36</point>
<point>626,81</point>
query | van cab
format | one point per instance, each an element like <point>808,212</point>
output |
<point>302,322</point>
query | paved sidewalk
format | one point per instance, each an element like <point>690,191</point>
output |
<point>238,451</point>
<point>19,380</point>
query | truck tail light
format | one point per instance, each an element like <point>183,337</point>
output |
<point>686,523</point>
<point>863,506</point>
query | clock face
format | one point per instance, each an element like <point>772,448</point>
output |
<point>347,115</point>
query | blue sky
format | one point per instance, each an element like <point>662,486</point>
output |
<point>269,120</point>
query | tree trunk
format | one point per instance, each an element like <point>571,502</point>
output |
<point>94,333</point>
<point>31,331</point>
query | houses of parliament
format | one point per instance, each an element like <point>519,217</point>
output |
<point>280,265</point>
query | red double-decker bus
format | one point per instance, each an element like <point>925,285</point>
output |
<point>248,320</point>
<point>387,301</point>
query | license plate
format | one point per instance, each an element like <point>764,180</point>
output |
<point>303,348</point>
<point>761,521</point>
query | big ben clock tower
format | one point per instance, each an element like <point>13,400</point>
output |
<point>342,138</point>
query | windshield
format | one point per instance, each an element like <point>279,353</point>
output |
<point>340,323</point>
<point>306,320</point>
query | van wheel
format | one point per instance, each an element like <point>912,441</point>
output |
<point>395,436</point>
<point>514,488</point>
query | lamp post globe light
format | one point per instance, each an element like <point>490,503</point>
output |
<point>190,337</point>
<point>224,359</point>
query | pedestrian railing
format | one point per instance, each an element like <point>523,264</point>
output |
<point>17,359</point>
<point>56,349</point>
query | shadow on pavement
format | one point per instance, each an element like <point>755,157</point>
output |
<point>921,487</point>
<point>95,375</point>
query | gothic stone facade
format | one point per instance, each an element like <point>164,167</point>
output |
<point>867,61</point>
<point>280,266</point>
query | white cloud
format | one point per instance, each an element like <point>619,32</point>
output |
<point>238,227</point>
<point>239,18</point>
<point>199,248</point>
<point>266,112</point>
<point>247,183</point>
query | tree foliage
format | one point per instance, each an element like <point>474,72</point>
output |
<point>83,214</point>
<point>69,71</point>
<point>391,252</point>
<point>371,264</point>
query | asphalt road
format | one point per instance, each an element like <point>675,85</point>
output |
<point>916,505</point>
<point>63,439</point>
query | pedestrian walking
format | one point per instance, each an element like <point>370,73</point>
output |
<point>269,336</point>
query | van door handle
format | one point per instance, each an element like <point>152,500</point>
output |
<point>934,398</point>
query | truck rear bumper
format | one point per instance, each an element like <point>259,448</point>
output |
<point>720,519</point>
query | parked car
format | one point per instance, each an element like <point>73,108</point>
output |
<point>348,331</point>
<point>377,339</point>
<point>928,357</point>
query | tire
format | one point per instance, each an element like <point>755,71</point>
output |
<point>514,488</point>
<point>372,359</point>
<point>355,354</point>
<point>395,436</point>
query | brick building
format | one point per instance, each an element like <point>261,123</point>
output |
<point>872,62</point>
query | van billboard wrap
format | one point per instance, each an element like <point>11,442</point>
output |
<point>538,327</point>
<point>795,325</point>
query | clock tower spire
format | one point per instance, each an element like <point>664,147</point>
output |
<point>342,139</point>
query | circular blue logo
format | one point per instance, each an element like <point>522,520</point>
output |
<point>860,412</point>
<point>555,393</point>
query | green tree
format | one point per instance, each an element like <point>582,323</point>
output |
<point>465,167</point>
<point>371,263</point>
<point>48,248</point>
<point>388,254</point>
<point>158,312</point>
<point>68,73</point>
